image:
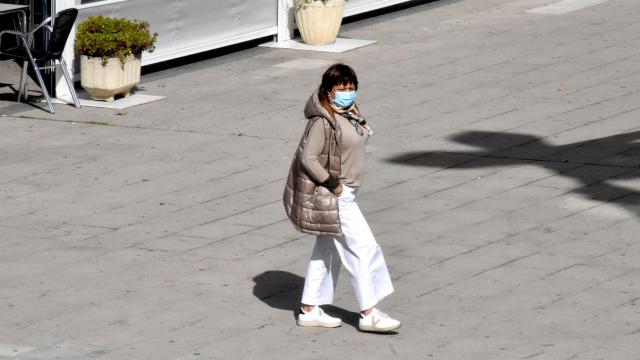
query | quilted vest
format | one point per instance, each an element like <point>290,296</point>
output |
<point>312,208</point>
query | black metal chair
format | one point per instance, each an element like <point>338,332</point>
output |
<point>50,57</point>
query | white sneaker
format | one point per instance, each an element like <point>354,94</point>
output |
<point>317,317</point>
<point>377,321</point>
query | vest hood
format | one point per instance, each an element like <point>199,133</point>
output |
<point>314,108</point>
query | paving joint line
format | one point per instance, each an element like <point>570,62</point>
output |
<point>108,124</point>
<point>466,252</point>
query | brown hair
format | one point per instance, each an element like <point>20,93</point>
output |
<point>336,74</point>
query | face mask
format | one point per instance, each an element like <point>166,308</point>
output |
<point>344,99</point>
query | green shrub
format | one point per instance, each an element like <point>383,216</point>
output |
<point>105,37</point>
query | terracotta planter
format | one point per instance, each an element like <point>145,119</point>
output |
<point>319,22</point>
<point>104,82</point>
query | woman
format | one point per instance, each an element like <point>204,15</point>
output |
<point>320,199</point>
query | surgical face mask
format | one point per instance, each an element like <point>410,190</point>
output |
<point>344,99</point>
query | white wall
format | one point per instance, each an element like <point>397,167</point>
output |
<point>353,7</point>
<point>191,26</point>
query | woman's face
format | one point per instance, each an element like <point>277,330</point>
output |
<point>342,87</point>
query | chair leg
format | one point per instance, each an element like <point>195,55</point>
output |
<point>41,82</point>
<point>23,82</point>
<point>67,77</point>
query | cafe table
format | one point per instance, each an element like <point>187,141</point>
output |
<point>20,10</point>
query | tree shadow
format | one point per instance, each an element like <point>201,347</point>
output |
<point>283,290</point>
<point>593,164</point>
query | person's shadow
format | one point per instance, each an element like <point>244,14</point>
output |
<point>594,164</point>
<point>283,290</point>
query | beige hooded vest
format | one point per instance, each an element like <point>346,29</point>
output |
<point>312,208</point>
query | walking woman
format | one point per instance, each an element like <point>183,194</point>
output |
<point>320,199</point>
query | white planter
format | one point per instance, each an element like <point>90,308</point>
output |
<point>319,23</point>
<point>104,82</point>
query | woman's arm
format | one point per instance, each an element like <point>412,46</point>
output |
<point>313,150</point>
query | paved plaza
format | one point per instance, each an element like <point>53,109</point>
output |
<point>502,182</point>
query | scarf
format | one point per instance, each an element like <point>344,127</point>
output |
<point>353,113</point>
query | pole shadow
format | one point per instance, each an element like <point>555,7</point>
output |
<point>593,164</point>
<point>283,290</point>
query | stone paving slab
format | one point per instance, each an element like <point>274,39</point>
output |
<point>501,183</point>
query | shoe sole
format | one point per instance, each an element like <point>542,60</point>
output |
<point>318,324</point>
<point>372,329</point>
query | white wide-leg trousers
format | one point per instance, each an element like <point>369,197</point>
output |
<point>357,250</point>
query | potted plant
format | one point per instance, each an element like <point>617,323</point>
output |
<point>318,20</point>
<point>111,50</point>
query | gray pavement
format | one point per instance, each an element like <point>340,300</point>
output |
<point>502,183</point>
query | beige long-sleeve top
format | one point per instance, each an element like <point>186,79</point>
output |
<point>352,150</point>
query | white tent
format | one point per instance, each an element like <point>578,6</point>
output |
<point>187,27</point>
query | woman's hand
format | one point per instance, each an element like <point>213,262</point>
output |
<point>333,185</point>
